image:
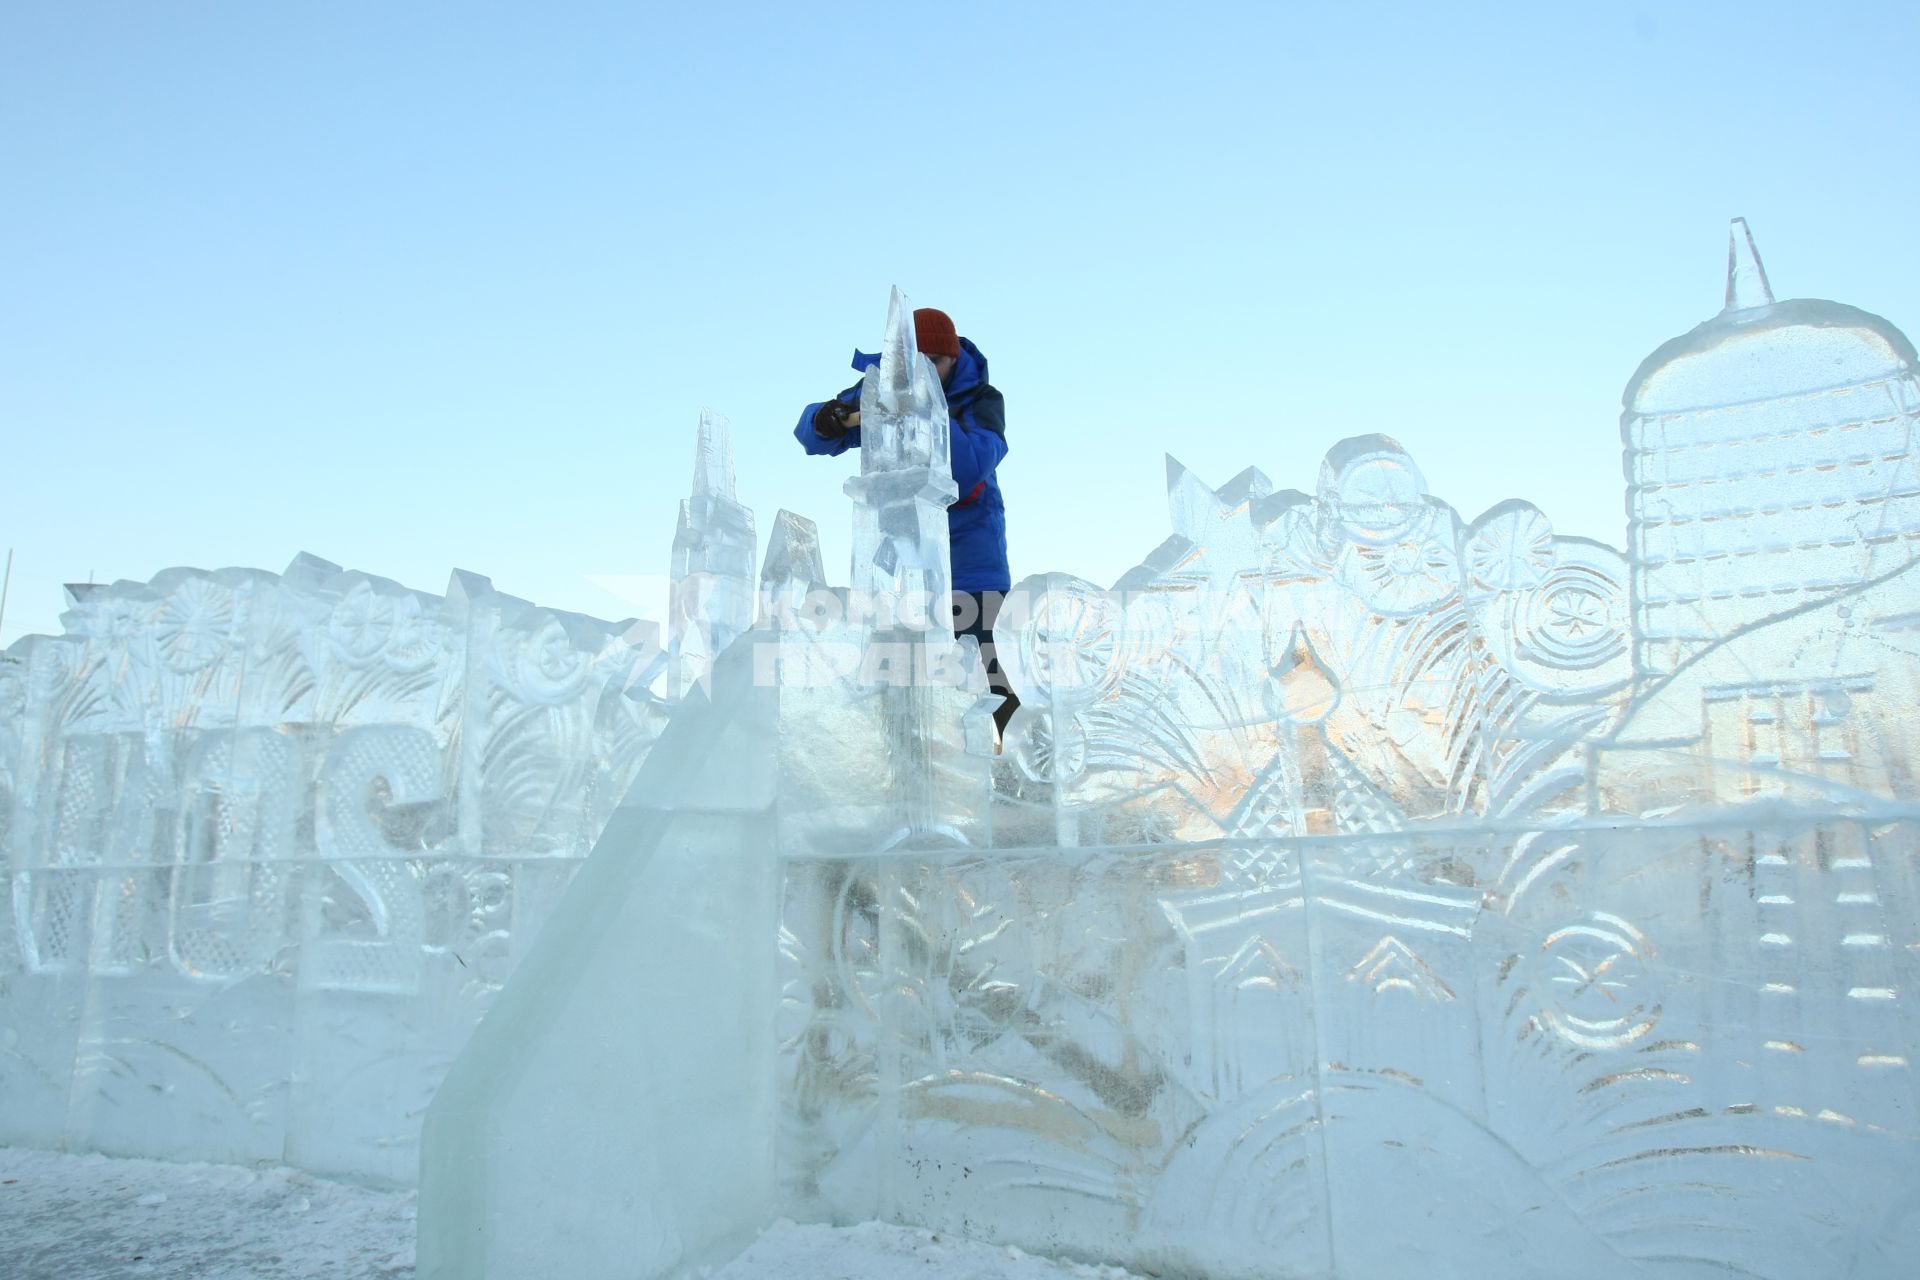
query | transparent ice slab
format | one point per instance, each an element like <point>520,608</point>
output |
<point>632,1064</point>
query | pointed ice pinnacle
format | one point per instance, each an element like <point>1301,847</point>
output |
<point>793,552</point>
<point>713,584</point>
<point>1214,535</point>
<point>1746,279</point>
<point>900,497</point>
<point>792,568</point>
<point>903,410</point>
<point>899,353</point>
<point>465,589</point>
<point>713,457</point>
<point>307,567</point>
<point>1194,505</point>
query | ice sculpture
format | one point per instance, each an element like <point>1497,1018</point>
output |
<point>1364,891</point>
<point>1769,465</point>
<point>270,844</point>
<point>712,586</point>
<point>792,575</point>
<point>905,485</point>
<point>822,735</point>
<point>273,842</point>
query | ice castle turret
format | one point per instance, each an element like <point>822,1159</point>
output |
<point>913,678</point>
<point>712,562</point>
<point>905,485</point>
<point>1769,463</point>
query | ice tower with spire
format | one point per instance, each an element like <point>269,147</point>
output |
<point>713,584</point>
<point>920,683</point>
<point>905,485</point>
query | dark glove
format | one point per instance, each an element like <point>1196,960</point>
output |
<point>830,419</point>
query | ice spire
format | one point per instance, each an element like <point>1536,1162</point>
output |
<point>792,569</point>
<point>713,549</point>
<point>902,589</point>
<point>1746,278</point>
<point>905,485</point>
<point>903,410</point>
<point>713,458</point>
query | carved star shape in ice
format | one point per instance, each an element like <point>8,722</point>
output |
<point>1223,542</point>
<point>1574,615</point>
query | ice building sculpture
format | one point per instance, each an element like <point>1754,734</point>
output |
<point>1363,891</point>
<point>1769,464</point>
<point>271,843</point>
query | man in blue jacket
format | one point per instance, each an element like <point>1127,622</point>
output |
<point>977,436</point>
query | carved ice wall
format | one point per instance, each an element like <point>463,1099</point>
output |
<point>1363,889</point>
<point>1364,892</point>
<point>271,844</point>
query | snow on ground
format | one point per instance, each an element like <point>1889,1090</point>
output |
<point>91,1217</point>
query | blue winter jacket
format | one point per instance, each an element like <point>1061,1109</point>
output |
<point>977,436</point>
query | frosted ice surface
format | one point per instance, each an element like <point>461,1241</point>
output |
<point>1363,888</point>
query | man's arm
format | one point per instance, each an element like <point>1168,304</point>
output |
<point>978,436</point>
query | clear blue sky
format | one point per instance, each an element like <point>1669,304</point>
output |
<point>424,286</point>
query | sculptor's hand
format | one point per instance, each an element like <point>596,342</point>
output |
<point>831,420</point>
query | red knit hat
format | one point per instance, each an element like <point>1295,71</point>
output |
<point>935,332</point>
